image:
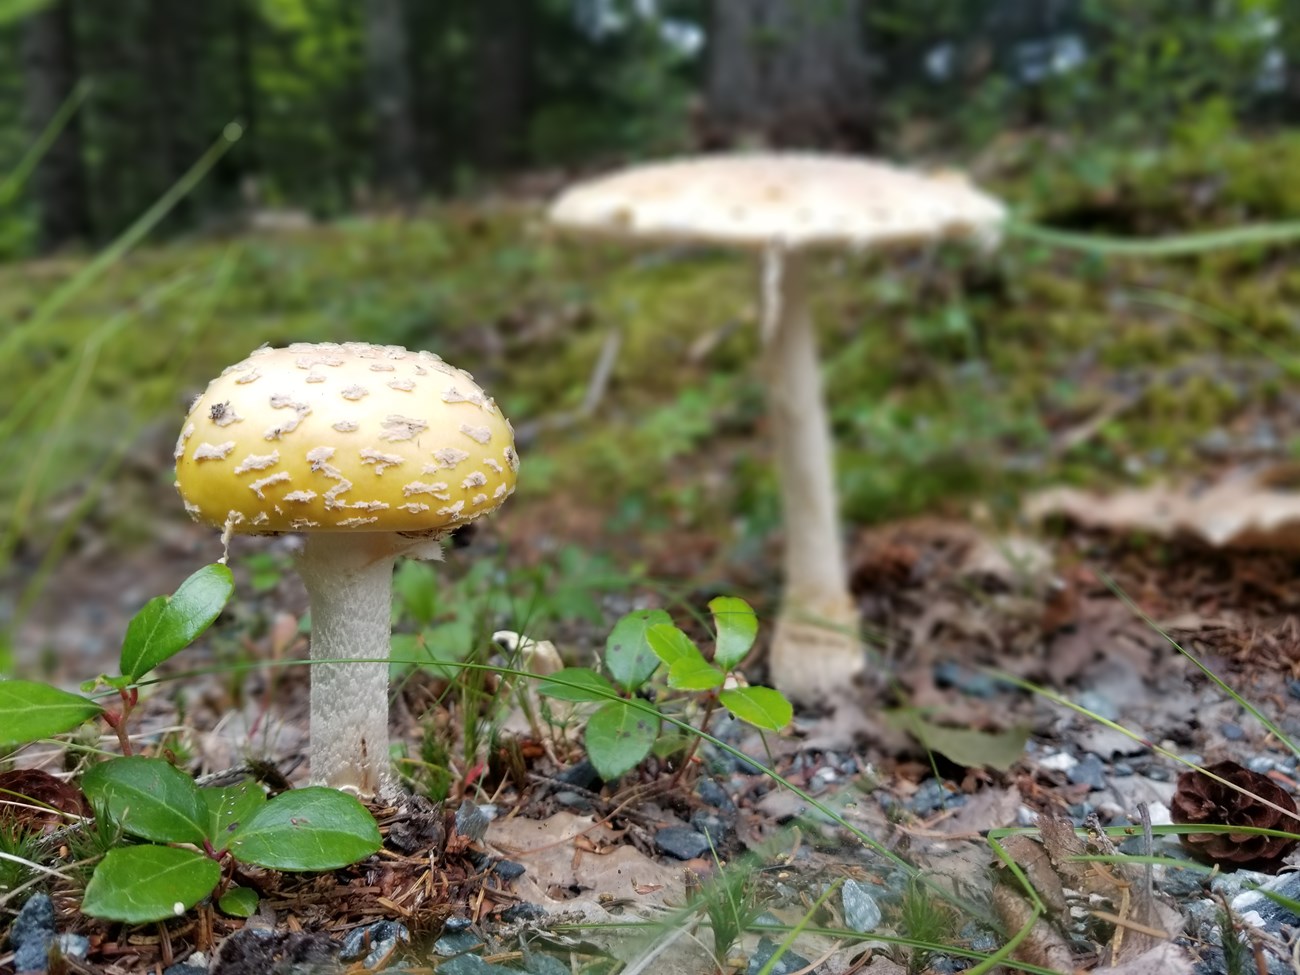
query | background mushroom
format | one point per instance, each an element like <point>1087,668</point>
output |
<point>370,452</point>
<point>784,205</point>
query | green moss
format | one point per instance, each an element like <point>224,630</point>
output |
<point>949,378</point>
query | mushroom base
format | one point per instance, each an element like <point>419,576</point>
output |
<point>816,652</point>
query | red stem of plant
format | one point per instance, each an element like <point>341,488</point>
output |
<point>695,742</point>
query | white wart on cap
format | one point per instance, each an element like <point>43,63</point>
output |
<point>325,437</point>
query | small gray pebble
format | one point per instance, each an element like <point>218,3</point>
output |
<point>32,934</point>
<point>1232,732</point>
<point>861,912</point>
<point>373,943</point>
<point>713,827</point>
<point>787,964</point>
<point>509,870</point>
<point>714,795</point>
<point>1158,773</point>
<point>1090,771</point>
<point>75,946</point>
<point>573,800</point>
<point>681,842</point>
<point>523,911</point>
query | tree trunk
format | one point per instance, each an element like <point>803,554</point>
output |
<point>390,99</point>
<point>789,72</point>
<point>50,76</point>
<point>504,70</point>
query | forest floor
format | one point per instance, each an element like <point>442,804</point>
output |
<point>1023,634</point>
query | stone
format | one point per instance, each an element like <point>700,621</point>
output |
<point>681,842</point>
<point>1090,771</point>
<point>861,912</point>
<point>32,934</point>
<point>373,943</point>
<point>787,964</point>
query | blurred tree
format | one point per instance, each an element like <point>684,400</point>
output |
<point>389,73</point>
<point>50,77</point>
<point>790,72</point>
<point>504,68</point>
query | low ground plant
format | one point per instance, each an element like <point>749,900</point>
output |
<point>193,839</point>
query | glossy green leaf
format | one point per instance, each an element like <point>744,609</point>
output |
<point>136,884</point>
<point>577,684</point>
<point>238,902</point>
<point>148,798</point>
<point>168,624</point>
<point>670,644</point>
<point>736,626</point>
<point>762,707</point>
<point>618,737</point>
<point>628,657</point>
<point>29,711</point>
<point>695,674</point>
<point>229,807</point>
<point>964,746</point>
<point>307,829</point>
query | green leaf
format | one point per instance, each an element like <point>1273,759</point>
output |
<point>168,624</point>
<point>577,684</point>
<point>618,737</point>
<point>149,799</point>
<point>762,707</point>
<point>670,644</point>
<point>736,626</point>
<point>228,807</point>
<point>628,656</point>
<point>238,902</point>
<point>963,746</point>
<point>136,884</point>
<point>695,674</point>
<point>29,710</point>
<point>307,829</point>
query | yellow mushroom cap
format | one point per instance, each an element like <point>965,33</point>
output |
<point>325,437</point>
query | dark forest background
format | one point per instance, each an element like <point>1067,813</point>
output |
<point>349,104</point>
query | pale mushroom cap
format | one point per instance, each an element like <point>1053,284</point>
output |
<point>325,437</point>
<point>794,200</point>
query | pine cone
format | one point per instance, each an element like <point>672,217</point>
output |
<point>32,800</point>
<point>1200,799</point>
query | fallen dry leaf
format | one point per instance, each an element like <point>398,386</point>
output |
<point>557,866</point>
<point>1247,510</point>
<point>1164,959</point>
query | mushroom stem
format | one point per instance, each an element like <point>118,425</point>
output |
<point>349,579</point>
<point>816,648</point>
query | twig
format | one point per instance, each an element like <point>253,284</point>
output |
<point>600,374</point>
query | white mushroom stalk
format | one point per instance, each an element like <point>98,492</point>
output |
<point>785,205</point>
<point>816,646</point>
<point>370,452</point>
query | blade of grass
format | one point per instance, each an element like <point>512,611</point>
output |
<point>1249,235</point>
<point>798,928</point>
<point>16,179</point>
<point>1116,726</point>
<point>76,387</point>
<point>11,10</point>
<point>11,344</point>
<point>58,545</point>
<point>1219,319</point>
<point>1215,678</point>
